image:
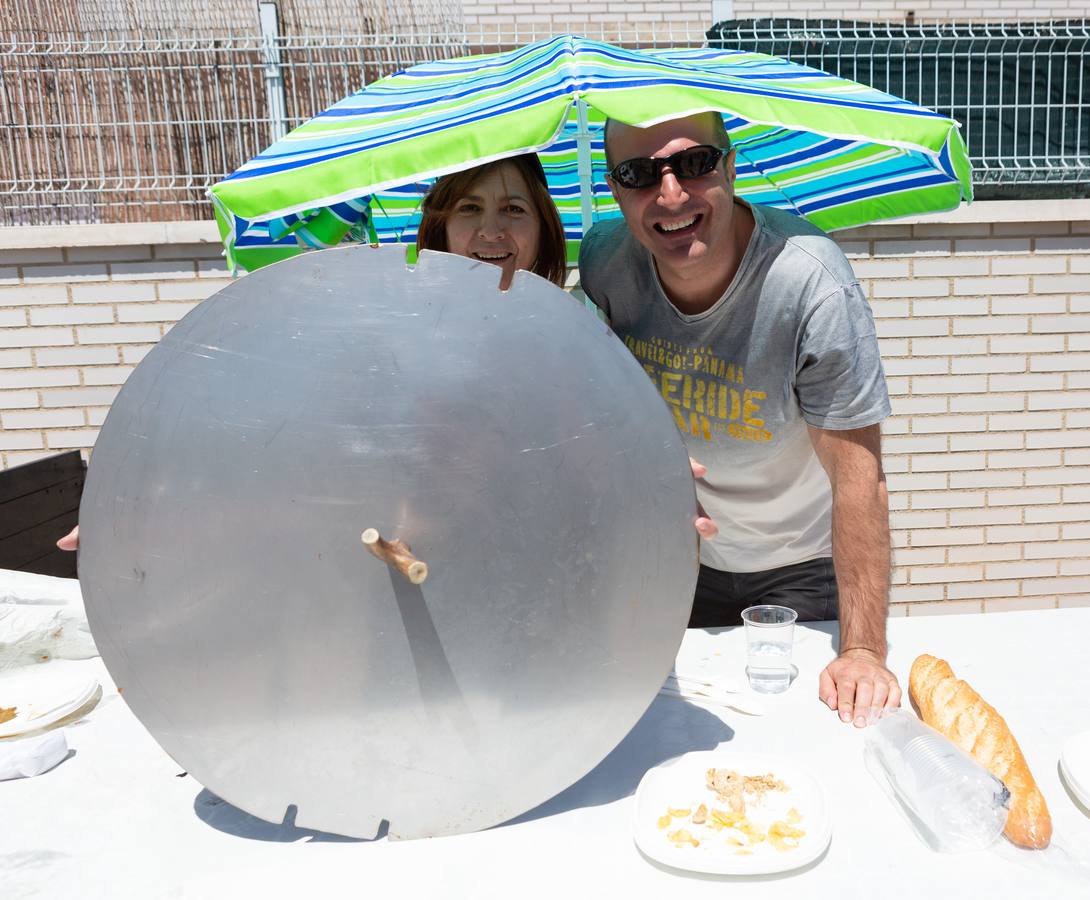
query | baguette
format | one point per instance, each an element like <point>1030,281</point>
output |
<point>953,708</point>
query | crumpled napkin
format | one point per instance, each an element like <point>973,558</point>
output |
<point>41,618</point>
<point>31,756</point>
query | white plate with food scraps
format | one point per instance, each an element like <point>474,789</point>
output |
<point>33,701</point>
<point>765,815</point>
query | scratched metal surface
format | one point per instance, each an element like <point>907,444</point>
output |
<point>509,439</point>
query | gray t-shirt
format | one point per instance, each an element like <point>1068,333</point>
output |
<point>790,343</point>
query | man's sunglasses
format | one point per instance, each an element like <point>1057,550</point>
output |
<point>645,171</point>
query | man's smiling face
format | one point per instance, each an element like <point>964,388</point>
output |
<point>685,223</point>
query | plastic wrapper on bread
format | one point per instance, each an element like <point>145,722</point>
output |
<point>953,708</point>
<point>506,440</point>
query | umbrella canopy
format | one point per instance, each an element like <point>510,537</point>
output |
<point>839,153</point>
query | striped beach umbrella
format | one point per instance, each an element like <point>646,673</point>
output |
<point>837,152</point>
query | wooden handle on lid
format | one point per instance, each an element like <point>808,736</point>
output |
<point>395,553</point>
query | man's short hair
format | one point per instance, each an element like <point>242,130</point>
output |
<point>719,136</point>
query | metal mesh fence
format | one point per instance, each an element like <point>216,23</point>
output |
<point>127,111</point>
<point>1020,89</point>
<point>117,112</point>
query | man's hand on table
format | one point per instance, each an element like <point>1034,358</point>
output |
<point>705,527</point>
<point>859,686</point>
<point>857,683</point>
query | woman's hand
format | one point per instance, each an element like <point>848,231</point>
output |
<point>71,540</point>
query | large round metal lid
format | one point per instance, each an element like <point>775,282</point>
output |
<point>509,439</point>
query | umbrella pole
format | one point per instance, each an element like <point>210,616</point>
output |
<point>586,178</point>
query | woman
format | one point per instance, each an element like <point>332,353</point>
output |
<point>500,213</point>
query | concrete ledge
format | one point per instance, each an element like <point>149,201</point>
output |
<point>1074,210</point>
<point>26,237</point>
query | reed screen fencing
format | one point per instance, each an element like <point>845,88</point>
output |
<point>124,111</point>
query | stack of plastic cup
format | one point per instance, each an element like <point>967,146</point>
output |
<point>952,801</point>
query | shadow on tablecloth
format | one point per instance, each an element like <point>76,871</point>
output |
<point>670,727</point>
<point>224,817</point>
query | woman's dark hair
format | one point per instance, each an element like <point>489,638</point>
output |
<point>552,251</point>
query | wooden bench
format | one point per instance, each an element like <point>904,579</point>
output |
<point>39,503</point>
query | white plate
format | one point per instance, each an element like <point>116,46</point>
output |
<point>45,702</point>
<point>1075,766</point>
<point>680,783</point>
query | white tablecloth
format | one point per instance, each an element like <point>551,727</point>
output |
<point>119,819</point>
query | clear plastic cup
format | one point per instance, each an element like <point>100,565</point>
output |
<point>770,637</point>
<point>951,801</point>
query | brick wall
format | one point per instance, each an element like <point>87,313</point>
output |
<point>685,21</point>
<point>985,334</point>
<point>983,317</point>
<point>924,10</point>
<point>681,21</point>
<point>78,310</point>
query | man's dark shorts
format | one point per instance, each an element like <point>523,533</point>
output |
<point>809,588</point>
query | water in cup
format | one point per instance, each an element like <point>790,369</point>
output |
<point>768,664</point>
<point>770,633</point>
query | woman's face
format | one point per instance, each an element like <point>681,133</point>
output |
<point>496,222</point>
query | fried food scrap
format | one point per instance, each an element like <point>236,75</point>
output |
<point>753,834</point>
<point>782,829</point>
<point>783,837</point>
<point>732,823</point>
<point>740,832</point>
<point>721,819</point>
<point>681,836</point>
<point>728,786</point>
<point>762,784</point>
<point>6,715</point>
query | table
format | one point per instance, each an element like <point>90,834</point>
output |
<point>119,819</point>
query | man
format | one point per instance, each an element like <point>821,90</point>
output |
<point>754,328</point>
